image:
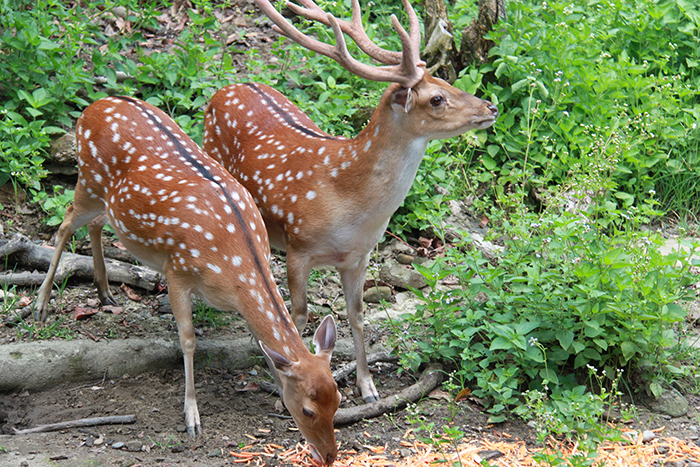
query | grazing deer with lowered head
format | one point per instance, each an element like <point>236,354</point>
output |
<point>181,213</point>
<point>327,200</point>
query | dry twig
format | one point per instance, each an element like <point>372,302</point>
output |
<point>83,422</point>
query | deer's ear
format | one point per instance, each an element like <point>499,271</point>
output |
<point>325,337</point>
<point>281,363</point>
<point>402,100</point>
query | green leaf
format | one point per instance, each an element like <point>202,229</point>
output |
<point>565,338</point>
<point>676,312</point>
<point>591,354</point>
<point>501,343</point>
<point>53,129</point>
<point>154,100</point>
<point>519,85</point>
<point>592,329</point>
<point>542,88</point>
<point>580,360</point>
<point>601,343</point>
<point>489,163</point>
<point>656,389</point>
<point>535,354</point>
<point>496,419</point>
<point>626,198</point>
<point>24,95</point>
<point>526,327</point>
<point>34,112</point>
<point>628,349</point>
<point>40,98</point>
<point>46,44</point>
<point>549,375</point>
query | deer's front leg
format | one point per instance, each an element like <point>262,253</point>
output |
<point>353,279</point>
<point>42,301</point>
<point>77,215</point>
<point>98,260</point>
<point>298,270</point>
<point>180,301</point>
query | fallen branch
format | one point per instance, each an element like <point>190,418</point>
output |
<point>349,367</point>
<point>428,381</point>
<point>22,278</point>
<point>19,315</point>
<point>83,422</point>
<point>340,373</point>
<point>30,256</point>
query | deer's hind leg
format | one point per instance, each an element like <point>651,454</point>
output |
<point>101,282</point>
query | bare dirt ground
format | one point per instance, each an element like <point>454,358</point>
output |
<point>235,412</point>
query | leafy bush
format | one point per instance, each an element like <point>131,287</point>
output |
<point>42,71</point>
<point>587,293</point>
<point>570,77</point>
<point>52,54</point>
<point>43,76</point>
<point>21,144</point>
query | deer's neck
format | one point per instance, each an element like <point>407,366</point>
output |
<point>389,155</point>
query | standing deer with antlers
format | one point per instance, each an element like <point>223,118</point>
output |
<point>327,200</point>
<point>181,213</point>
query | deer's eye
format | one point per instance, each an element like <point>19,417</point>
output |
<point>307,412</point>
<point>436,101</point>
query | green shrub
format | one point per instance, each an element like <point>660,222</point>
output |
<point>42,70</point>
<point>22,145</point>
<point>568,291</point>
<point>569,76</point>
<point>52,55</point>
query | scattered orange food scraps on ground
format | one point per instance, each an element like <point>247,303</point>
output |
<point>634,454</point>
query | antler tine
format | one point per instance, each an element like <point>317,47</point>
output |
<point>413,25</point>
<point>407,73</point>
<point>353,28</point>
<point>411,67</point>
<point>285,28</point>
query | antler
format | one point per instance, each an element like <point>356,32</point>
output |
<point>405,68</point>
<point>355,29</point>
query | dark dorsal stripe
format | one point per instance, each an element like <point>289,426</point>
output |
<point>287,118</point>
<point>206,173</point>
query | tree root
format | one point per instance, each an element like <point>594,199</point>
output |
<point>349,367</point>
<point>428,381</point>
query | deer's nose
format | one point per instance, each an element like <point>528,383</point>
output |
<point>493,109</point>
